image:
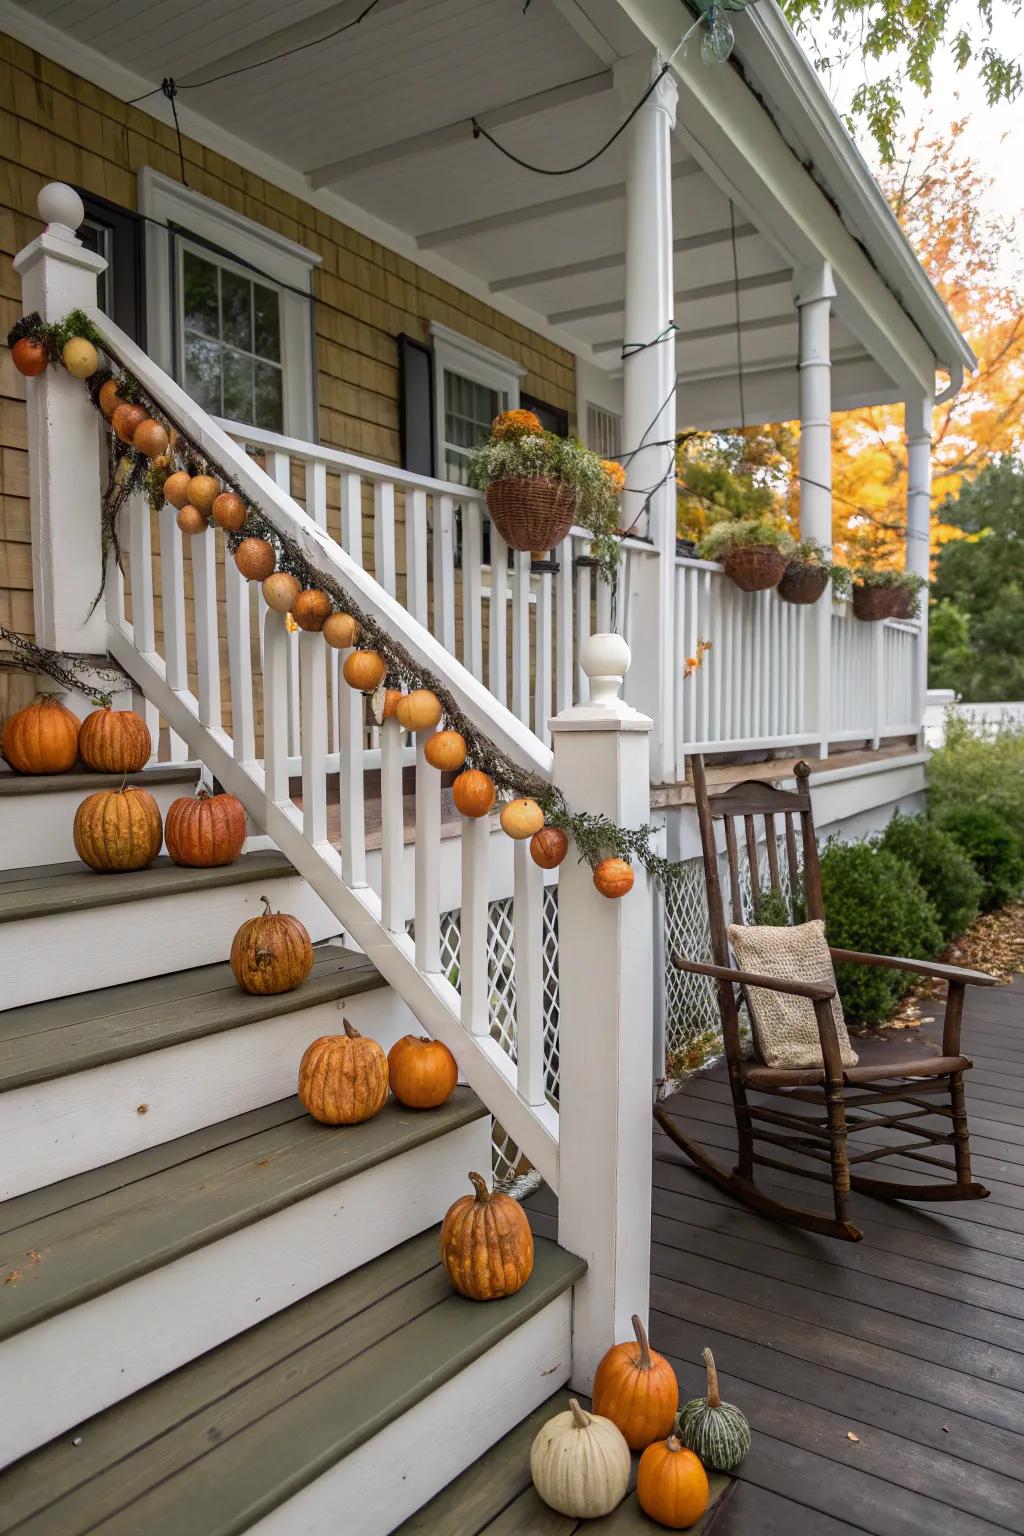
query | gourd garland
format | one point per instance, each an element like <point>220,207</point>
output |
<point>717,1432</point>
<point>184,476</point>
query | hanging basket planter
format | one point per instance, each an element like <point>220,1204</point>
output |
<point>754,567</point>
<point>802,583</point>
<point>902,603</point>
<point>872,604</point>
<point>532,512</point>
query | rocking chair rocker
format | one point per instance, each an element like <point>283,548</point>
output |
<point>916,1074</point>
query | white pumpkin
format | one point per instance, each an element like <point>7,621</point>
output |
<point>580,1464</point>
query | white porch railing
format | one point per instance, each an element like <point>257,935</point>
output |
<point>874,678</point>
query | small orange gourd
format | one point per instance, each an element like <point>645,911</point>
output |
<point>311,608</point>
<point>118,830</point>
<point>422,1072</point>
<point>548,847</point>
<point>151,438</point>
<point>271,953</point>
<point>486,1244</point>
<point>364,670</point>
<point>255,558</point>
<point>613,878</point>
<point>115,741</point>
<point>445,750</point>
<point>473,793</point>
<point>125,420</point>
<point>205,831</point>
<point>341,631</point>
<point>671,1485</point>
<point>419,710</point>
<point>229,511</point>
<point>343,1079</point>
<point>109,399</point>
<point>190,520</point>
<point>175,486</point>
<point>42,737</point>
<point>521,819</point>
<point>636,1388</point>
<point>203,491</point>
<point>29,357</point>
<point>280,590</point>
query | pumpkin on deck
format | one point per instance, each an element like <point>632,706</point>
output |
<point>580,1464</point>
<point>343,1079</point>
<point>671,1485</point>
<point>117,830</point>
<point>115,741</point>
<point>486,1244</point>
<point>204,831</point>
<point>42,737</point>
<point>271,953</point>
<point>717,1432</point>
<point>636,1388</point>
<point>423,1073</point>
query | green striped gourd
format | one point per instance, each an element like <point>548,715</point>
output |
<point>715,1431</point>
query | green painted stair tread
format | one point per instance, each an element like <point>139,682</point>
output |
<point>237,1432</point>
<point>14,784</point>
<point>89,1029</point>
<point>85,1248</point>
<point>71,887</point>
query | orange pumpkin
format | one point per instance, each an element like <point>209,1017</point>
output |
<point>42,737</point>
<point>311,608</point>
<point>636,1388</point>
<point>204,831</point>
<point>671,1485</point>
<point>473,793</point>
<point>422,1072</point>
<point>115,741</point>
<point>29,357</point>
<point>486,1244</point>
<point>419,710</point>
<point>125,420</point>
<point>109,399</point>
<point>150,438</point>
<point>229,511</point>
<point>271,953</point>
<point>364,670</point>
<point>343,1079</point>
<point>280,590</point>
<point>613,878</point>
<point>521,818</point>
<point>548,847</point>
<point>445,750</point>
<point>255,558</point>
<point>203,491</point>
<point>190,520</point>
<point>341,631</point>
<point>118,829</point>
<point>175,486</point>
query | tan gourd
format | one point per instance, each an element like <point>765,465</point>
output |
<point>580,1464</point>
<point>419,710</point>
<point>521,819</point>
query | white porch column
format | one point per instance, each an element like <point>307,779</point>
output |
<point>649,409</point>
<point>605,1020</point>
<point>813,292</point>
<point>58,274</point>
<point>918,428</point>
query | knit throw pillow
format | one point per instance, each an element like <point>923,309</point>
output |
<point>785,1029</point>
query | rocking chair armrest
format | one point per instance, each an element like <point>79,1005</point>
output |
<point>815,991</point>
<point>950,973</point>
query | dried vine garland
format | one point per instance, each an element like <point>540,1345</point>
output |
<point>65,668</point>
<point>597,838</point>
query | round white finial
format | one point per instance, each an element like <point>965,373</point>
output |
<point>605,659</point>
<point>61,209</point>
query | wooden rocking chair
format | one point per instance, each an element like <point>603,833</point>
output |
<point>914,1073</point>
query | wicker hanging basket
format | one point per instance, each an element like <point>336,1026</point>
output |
<point>802,583</point>
<point>902,603</point>
<point>874,603</point>
<point>532,512</point>
<point>755,567</point>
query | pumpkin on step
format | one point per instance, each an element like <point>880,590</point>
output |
<point>115,741</point>
<point>717,1432</point>
<point>422,1073</point>
<point>486,1244</point>
<point>204,831</point>
<point>671,1485</point>
<point>42,737</point>
<point>118,830</point>
<point>580,1464</point>
<point>343,1079</point>
<point>636,1388</point>
<point>271,953</point>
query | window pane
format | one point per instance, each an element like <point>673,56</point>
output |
<point>237,385</point>
<point>199,288</point>
<point>236,310</point>
<point>202,372</point>
<point>266,304</point>
<point>269,406</point>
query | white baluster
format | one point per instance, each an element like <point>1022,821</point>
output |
<point>542,659</point>
<point>384,534</point>
<point>350,776</point>
<point>316,506</point>
<point>472,587</point>
<point>497,676</point>
<point>603,605</point>
<point>528,927</point>
<point>243,728</point>
<point>276,646</point>
<point>582,628</point>
<point>444,571</point>
<point>521,636</point>
<point>172,596</point>
<point>393,901</point>
<point>428,862</point>
<point>473,974</point>
<point>707,620</point>
<point>313,671</point>
<point>564,664</point>
<point>416,555</point>
<point>204,594</point>
<point>143,607</point>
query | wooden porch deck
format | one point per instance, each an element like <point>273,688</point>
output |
<point>911,1341</point>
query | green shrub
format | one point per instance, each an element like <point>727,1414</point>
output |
<point>994,849</point>
<point>875,902</point>
<point>979,770</point>
<point>947,876</point>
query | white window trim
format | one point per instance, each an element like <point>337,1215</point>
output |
<point>474,361</point>
<point>281,260</point>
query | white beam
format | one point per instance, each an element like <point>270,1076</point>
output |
<point>681,296</point>
<point>702,242</point>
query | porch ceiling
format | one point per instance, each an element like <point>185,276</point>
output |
<point>380,116</point>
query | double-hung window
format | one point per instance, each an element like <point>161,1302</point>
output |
<point>472,385</point>
<point>229,339</point>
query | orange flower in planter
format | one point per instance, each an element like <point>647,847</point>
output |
<point>615,475</point>
<point>516,424</point>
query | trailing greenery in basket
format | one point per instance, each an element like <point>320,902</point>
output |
<point>879,592</point>
<point>753,551</point>
<point>538,485</point>
<point>808,572</point>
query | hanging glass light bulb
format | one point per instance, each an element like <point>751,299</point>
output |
<point>718,39</point>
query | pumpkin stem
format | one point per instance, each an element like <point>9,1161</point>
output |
<point>266,906</point>
<point>714,1397</point>
<point>673,1443</point>
<point>350,1030</point>
<point>645,1348</point>
<point>483,1194</point>
<point>581,1419</point>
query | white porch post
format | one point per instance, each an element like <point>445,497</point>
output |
<point>605,1020</point>
<point>813,292</point>
<point>918,428</point>
<point>649,409</point>
<point>58,274</point>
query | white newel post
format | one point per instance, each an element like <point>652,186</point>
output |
<point>58,274</point>
<point>813,292</point>
<point>918,428</point>
<point>649,407</point>
<point>605,1020</point>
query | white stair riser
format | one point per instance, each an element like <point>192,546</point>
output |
<point>56,1129</point>
<point>36,829</point>
<point>67,952</point>
<point>78,1363</point>
<point>436,1440</point>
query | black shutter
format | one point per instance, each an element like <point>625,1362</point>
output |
<point>416,405</point>
<point>551,417</point>
<point>117,234</point>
